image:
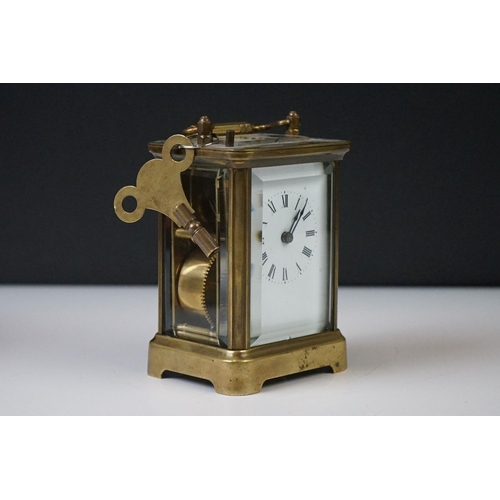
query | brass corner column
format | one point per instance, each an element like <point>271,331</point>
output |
<point>240,183</point>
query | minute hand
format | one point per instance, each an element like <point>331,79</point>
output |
<point>297,219</point>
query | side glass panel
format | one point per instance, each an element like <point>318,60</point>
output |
<point>290,252</point>
<point>197,311</point>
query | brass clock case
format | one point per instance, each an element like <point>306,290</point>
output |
<point>204,325</point>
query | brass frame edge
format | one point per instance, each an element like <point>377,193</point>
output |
<point>244,371</point>
<point>335,245</point>
<point>335,150</point>
<point>238,251</point>
<point>161,281</point>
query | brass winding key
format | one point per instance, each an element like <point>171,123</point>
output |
<point>159,188</point>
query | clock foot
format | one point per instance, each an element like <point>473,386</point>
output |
<point>243,372</point>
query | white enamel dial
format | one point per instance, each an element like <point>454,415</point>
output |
<point>290,252</point>
<point>289,231</point>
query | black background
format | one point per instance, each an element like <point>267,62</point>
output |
<point>419,195</point>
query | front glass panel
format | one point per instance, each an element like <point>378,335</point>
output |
<point>290,252</point>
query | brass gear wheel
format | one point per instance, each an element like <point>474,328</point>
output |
<point>197,286</point>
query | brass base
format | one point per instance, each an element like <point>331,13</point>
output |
<point>242,372</point>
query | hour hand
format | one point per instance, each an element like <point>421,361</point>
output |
<point>297,218</point>
<point>287,236</point>
<point>294,221</point>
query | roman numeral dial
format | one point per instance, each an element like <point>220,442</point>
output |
<point>289,235</point>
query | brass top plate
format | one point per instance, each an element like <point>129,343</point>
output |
<point>260,147</point>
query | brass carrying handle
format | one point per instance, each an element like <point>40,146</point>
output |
<point>292,121</point>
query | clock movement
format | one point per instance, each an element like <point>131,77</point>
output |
<point>248,241</point>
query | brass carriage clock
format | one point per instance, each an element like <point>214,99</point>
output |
<point>248,252</point>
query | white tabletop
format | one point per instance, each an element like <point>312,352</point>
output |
<point>82,350</point>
